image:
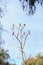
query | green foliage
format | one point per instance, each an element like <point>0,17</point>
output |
<point>3,57</point>
<point>38,60</point>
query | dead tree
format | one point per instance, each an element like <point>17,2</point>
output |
<point>21,37</point>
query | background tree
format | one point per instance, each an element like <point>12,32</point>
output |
<point>30,5</point>
<point>4,56</point>
<point>3,7</point>
<point>3,53</point>
<point>37,60</point>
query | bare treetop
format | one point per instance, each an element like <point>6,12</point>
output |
<point>21,36</point>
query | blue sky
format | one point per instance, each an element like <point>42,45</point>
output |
<point>34,23</point>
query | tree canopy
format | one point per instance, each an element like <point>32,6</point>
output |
<point>37,60</point>
<point>30,5</point>
<point>3,57</point>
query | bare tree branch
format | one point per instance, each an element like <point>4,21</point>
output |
<point>25,39</point>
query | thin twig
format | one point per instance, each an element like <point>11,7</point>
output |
<point>25,39</point>
<point>16,38</point>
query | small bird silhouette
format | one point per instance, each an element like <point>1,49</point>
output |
<point>12,33</point>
